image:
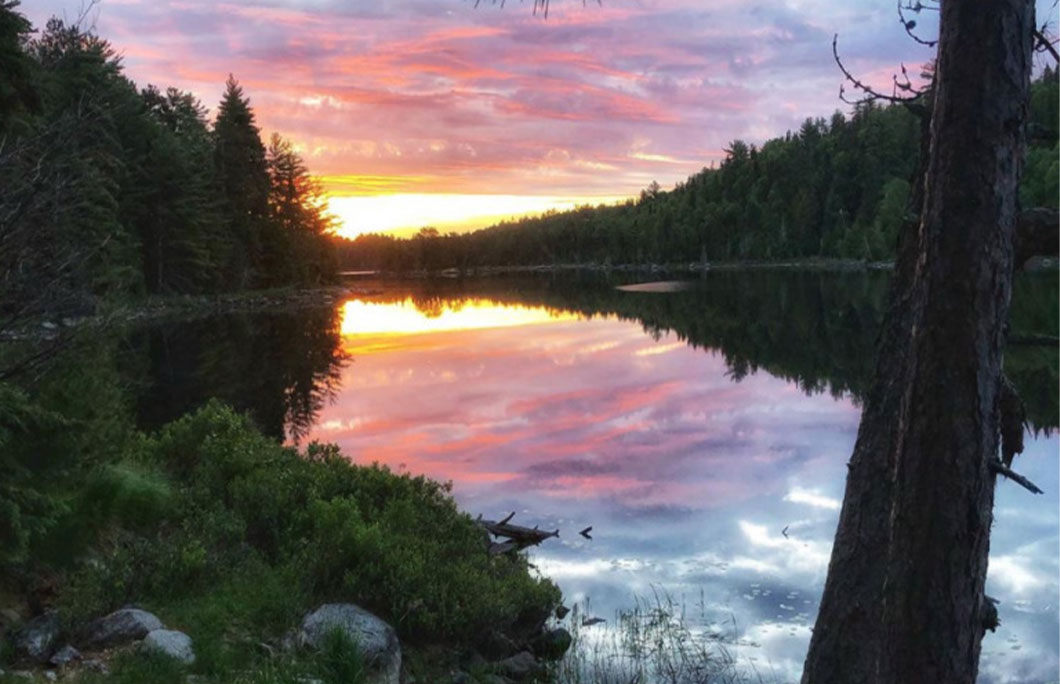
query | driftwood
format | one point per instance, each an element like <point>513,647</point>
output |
<point>517,537</point>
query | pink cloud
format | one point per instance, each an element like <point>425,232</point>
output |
<point>503,88</point>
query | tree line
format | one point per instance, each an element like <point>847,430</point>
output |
<point>111,190</point>
<point>835,188</point>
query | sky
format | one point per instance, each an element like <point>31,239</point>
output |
<point>438,112</point>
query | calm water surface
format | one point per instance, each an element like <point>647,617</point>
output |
<point>703,434</point>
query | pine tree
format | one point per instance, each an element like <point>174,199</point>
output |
<point>297,249</point>
<point>239,158</point>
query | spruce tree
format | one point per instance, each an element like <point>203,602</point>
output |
<point>239,158</point>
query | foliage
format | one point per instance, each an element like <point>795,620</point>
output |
<point>226,533</point>
<point>110,192</point>
<point>301,250</point>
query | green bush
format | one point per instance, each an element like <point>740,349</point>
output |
<point>222,526</point>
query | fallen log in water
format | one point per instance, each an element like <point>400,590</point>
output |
<point>518,537</point>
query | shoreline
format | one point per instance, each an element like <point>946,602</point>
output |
<point>160,308</point>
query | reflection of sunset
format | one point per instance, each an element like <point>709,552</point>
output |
<point>404,318</point>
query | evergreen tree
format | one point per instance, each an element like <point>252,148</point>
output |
<point>17,92</point>
<point>177,215</point>
<point>297,250</point>
<point>239,159</point>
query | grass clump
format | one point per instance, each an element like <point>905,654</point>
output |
<point>650,642</point>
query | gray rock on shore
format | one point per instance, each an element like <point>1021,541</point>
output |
<point>375,639</point>
<point>120,627</point>
<point>170,642</point>
<point>64,656</point>
<point>38,638</point>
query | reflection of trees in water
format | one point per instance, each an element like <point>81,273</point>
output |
<point>817,329</point>
<point>281,368</point>
<point>1034,369</point>
<point>812,328</point>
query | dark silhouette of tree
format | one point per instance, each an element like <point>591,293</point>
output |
<point>177,204</point>
<point>297,246</point>
<point>904,597</point>
<point>239,157</point>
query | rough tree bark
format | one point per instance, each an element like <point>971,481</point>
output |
<point>903,600</point>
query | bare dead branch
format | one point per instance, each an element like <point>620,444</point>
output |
<point>539,5</point>
<point>910,24</point>
<point>871,94</point>
<point>1044,44</point>
<point>1000,468</point>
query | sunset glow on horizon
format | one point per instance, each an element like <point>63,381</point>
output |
<point>368,318</point>
<point>435,112</point>
<point>404,214</point>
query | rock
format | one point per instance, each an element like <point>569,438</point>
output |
<point>170,642</point>
<point>553,644</point>
<point>64,656</point>
<point>519,666</point>
<point>561,612</point>
<point>51,676</point>
<point>375,639</point>
<point>120,627</point>
<point>38,637</point>
<point>22,674</point>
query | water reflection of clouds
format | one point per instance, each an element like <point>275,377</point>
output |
<point>723,494</point>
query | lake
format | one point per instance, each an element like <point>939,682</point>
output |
<point>702,431</point>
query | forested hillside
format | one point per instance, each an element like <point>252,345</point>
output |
<point>834,188</point>
<point>110,190</point>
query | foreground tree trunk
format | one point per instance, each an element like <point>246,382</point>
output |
<point>903,600</point>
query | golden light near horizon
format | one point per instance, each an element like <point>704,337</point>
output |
<point>403,214</point>
<point>404,318</point>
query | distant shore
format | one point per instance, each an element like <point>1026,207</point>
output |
<point>690,269</point>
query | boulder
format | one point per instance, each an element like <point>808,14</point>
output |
<point>553,644</point>
<point>120,627</point>
<point>38,638</point>
<point>64,656</point>
<point>520,666</point>
<point>170,642</point>
<point>375,639</point>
